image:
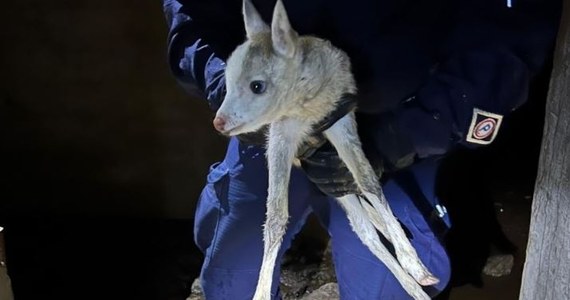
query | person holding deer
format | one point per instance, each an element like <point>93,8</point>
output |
<point>431,77</point>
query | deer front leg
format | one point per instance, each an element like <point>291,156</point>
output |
<point>284,137</point>
<point>344,137</point>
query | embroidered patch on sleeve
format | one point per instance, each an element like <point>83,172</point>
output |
<point>484,127</point>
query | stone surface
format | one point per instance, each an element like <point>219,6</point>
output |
<point>302,276</point>
<point>196,293</point>
<point>499,265</point>
<point>328,291</point>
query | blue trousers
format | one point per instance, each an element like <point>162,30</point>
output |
<point>231,212</point>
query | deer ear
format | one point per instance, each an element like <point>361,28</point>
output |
<point>254,24</point>
<point>282,34</point>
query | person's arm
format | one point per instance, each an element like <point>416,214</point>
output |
<point>193,62</point>
<point>491,56</point>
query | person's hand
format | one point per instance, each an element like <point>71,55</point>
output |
<point>328,172</point>
<point>319,159</point>
<point>386,148</point>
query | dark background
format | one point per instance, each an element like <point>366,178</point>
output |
<point>102,155</point>
<point>92,121</point>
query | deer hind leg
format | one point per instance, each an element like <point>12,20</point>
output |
<point>366,232</point>
<point>344,136</point>
<point>284,137</point>
<point>374,217</point>
<point>405,252</point>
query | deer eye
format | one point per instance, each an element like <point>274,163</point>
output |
<point>257,86</point>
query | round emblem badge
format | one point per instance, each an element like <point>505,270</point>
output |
<point>485,128</point>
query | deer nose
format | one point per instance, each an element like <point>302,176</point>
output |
<point>219,123</point>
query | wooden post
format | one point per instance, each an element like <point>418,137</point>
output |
<point>5,286</point>
<point>546,274</point>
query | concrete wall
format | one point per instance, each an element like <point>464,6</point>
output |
<point>91,121</point>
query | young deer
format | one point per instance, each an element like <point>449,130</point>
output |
<point>290,83</point>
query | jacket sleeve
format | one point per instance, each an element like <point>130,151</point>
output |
<point>193,62</point>
<point>490,56</point>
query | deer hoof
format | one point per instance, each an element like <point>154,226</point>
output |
<point>428,280</point>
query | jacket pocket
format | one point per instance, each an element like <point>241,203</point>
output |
<point>211,206</point>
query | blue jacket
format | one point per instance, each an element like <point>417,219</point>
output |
<point>444,71</point>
